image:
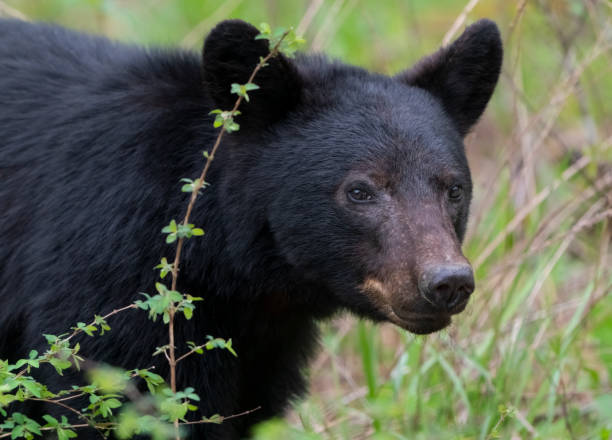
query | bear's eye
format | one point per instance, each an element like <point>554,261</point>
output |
<point>359,195</point>
<point>455,193</point>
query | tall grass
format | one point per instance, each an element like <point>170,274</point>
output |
<point>531,357</point>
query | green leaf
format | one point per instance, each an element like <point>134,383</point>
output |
<point>35,388</point>
<point>128,424</point>
<point>231,127</point>
<point>164,268</point>
<point>172,227</point>
<point>108,379</point>
<point>113,403</point>
<point>101,322</point>
<point>264,31</point>
<point>242,89</point>
<point>161,288</point>
<point>215,418</point>
<point>59,364</point>
<point>173,410</point>
<point>51,421</point>
<point>65,434</point>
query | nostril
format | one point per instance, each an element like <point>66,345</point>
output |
<point>444,289</point>
<point>447,286</point>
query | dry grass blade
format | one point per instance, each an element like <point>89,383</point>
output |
<point>333,20</point>
<point>309,15</point>
<point>195,35</point>
<point>9,11</point>
<point>526,210</point>
<point>459,22</point>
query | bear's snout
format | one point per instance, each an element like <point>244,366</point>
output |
<point>447,287</point>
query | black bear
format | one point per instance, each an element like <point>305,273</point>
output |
<point>343,190</point>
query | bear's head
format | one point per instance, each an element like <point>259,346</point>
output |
<point>358,182</point>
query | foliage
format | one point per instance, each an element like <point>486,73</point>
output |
<point>115,404</point>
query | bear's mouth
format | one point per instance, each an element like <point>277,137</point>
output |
<point>420,324</point>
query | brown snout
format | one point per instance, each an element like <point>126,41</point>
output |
<point>447,286</point>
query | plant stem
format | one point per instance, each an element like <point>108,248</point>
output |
<point>194,194</point>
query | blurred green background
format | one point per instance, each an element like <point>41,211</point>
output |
<point>532,355</point>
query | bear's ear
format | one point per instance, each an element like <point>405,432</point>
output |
<point>230,54</point>
<point>462,75</point>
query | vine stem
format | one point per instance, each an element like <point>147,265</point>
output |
<point>194,194</point>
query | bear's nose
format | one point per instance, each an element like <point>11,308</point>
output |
<point>447,286</point>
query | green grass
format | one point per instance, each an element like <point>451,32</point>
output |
<point>532,355</point>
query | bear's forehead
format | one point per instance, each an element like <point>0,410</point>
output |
<point>350,93</point>
<point>361,120</point>
<point>406,126</point>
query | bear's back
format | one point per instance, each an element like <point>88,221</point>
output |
<point>81,120</point>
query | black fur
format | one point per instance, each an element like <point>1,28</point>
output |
<point>96,135</point>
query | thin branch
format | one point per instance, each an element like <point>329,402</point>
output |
<point>108,315</point>
<point>111,425</point>
<point>233,416</point>
<point>194,194</point>
<point>63,399</point>
<point>166,354</point>
<point>190,352</point>
<point>75,411</point>
<point>78,330</point>
<point>8,434</point>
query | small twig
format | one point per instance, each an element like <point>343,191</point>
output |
<point>112,425</point>
<point>233,416</point>
<point>78,330</point>
<point>190,352</point>
<point>75,411</point>
<point>8,434</point>
<point>244,413</point>
<point>68,398</point>
<point>108,315</point>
